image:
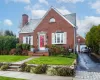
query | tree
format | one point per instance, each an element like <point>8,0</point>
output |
<point>93,39</point>
<point>9,33</point>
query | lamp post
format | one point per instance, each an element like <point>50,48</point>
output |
<point>78,44</point>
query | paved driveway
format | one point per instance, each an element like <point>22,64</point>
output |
<point>87,69</point>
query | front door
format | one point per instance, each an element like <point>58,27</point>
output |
<point>42,41</point>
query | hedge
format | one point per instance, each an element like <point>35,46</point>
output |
<point>7,43</point>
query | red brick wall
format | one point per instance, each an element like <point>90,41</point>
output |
<point>60,24</point>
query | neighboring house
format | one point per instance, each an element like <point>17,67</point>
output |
<point>80,43</point>
<point>53,28</point>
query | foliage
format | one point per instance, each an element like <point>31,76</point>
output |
<point>23,66</point>
<point>65,71</point>
<point>4,67</point>
<point>93,39</point>
<point>51,71</point>
<point>58,50</point>
<point>21,49</point>
<point>9,33</point>
<point>27,68</point>
<point>40,69</point>
<point>7,43</point>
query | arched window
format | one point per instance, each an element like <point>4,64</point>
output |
<point>52,20</point>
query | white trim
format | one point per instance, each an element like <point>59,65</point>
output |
<point>60,35</point>
<point>42,48</point>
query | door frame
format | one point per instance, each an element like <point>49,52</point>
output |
<point>43,48</point>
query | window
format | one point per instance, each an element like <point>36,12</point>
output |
<point>59,38</point>
<point>52,20</point>
<point>28,40</point>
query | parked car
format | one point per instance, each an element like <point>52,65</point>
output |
<point>85,50</point>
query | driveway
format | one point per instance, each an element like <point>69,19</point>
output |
<point>86,64</point>
<point>86,68</point>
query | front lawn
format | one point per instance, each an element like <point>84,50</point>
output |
<point>54,60</point>
<point>8,78</point>
<point>12,58</point>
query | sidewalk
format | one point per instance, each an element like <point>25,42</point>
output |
<point>32,76</point>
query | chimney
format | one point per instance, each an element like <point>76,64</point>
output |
<point>24,19</point>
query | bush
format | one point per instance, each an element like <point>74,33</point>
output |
<point>22,67</point>
<point>4,67</point>
<point>51,71</point>
<point>65,71</point>
<point>7,43</point>
<point>1,64</point>
<point>58,50</point>
<point>22,49</point>
<point>27,68</point>
<point>25,46</point>
<point>40,69</point>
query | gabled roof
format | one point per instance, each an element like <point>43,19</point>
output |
<point>33,23</point>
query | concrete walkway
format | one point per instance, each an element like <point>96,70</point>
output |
<point>23,61</point>
<point>32,76</point>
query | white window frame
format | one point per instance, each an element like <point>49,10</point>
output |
<point>62,36</point>
<point>52,20</point>
<point>28,40</point>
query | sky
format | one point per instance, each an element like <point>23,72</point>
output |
<point>87,12</point>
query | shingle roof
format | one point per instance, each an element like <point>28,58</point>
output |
<point>28,28</point>
<point>33,23</point>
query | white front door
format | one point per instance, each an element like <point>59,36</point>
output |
<point>42,39</point>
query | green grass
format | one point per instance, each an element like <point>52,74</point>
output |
<point>12,58</point>
<point>53,60</point>
<point>8,78</point>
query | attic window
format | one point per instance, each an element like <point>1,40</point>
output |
<point>52,20</point>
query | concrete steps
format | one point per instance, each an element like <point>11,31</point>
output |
<point>13,67</point>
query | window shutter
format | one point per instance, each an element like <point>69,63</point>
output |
<point>53,38</point>
<point>24,40</point>
<point>31,40</point>
<point>65,37</point>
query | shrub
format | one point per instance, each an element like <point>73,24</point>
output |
<point>1,64</point>
<point>22,49</point>
<point>58,50</point>
<point>40,69</point>
<point>25,46</point>
<point>32,69</point>
<point>13,51</point>
<point>51,71</point>
<point>65,71</point>
<point>23,66</point>
<point>4,67</point>
<point>27,68</point>
<point>7,43</point>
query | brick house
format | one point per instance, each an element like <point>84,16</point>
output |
<point>52,28</point>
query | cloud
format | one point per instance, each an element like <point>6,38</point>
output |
<point>85,24</point>
<point>8,22</point>
<point>96,6</point>
<point>38,13</point>
<point>70,1</point>
<point>63,10</point>
<point>44,1</point>
<point>22,1</point>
